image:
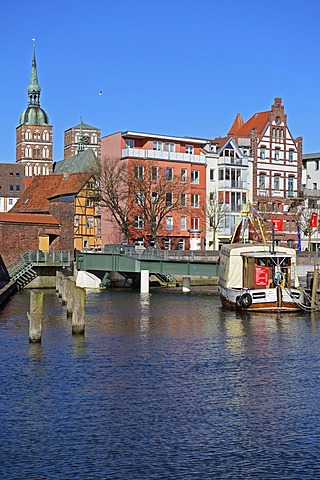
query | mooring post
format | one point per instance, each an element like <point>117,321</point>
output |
<point>78,314</point>
<point>314,287</point>
<point>186,284</point>
<point>144,281</point>
<point>59,276</point>
<point>64,286</point>
<point>35,316</point>
<point>71,286</point>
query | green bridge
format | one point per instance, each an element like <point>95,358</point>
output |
<point>132,262</point>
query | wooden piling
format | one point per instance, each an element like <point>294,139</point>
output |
<point>78,314</point>
<point>35,316</point>
<point>64,286</point>
<point>71,286</point>
<point>314,288</point>
<point>59,276</point>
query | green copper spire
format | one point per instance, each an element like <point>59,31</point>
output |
<point>34,114</point>
<point>34,88</point>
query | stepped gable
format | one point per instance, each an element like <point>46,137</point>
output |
<point>35,198</point>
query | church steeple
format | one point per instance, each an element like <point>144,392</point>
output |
<point>34,88</point>
<point>34,132</point>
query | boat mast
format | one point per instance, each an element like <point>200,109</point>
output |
<point>248,212</point>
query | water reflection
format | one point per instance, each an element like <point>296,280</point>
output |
<point>162,385</point>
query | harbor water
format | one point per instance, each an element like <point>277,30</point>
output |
<point>163,385</point>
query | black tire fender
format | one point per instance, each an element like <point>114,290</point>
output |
<point>246,300</point>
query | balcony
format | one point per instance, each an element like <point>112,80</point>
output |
<point>163,155</point>
<point>311,193</point>
<point>241,162</point>
<point>230,184</point>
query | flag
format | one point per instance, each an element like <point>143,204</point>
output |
<point>314,220</point>
<point>237,233</point>
<point>255,212</point>
<point>299,239</point>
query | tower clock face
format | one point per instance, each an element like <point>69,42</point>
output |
<point>86,139</point>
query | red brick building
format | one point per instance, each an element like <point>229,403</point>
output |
<point>184,161</point>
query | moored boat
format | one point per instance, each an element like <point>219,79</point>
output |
<point>259,277</point>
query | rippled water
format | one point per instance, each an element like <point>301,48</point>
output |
<point>162,386</point>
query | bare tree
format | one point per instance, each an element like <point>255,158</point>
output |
<point>144,190</point>
<point>158,192</point>
<point>303,219</point>
<point>115,193</point>
<point>215,214</point>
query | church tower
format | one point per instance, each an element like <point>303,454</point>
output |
<point>34,133</point>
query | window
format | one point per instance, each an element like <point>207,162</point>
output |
<point>17,174</point>
<point>169,174</point>
<point>195,176</point>
<point>169,199</point>
<point>94,138</point>
<point>76,221</point>
<point>28,135</point>
<point>138,222</point>
<point>154,174</point>
<point>129,143</point>
<point>211,175</point>
<point>28,152</point>
<point>11,187</point>
<point>170,147</point>
<point>157,145</point>
<point>189,149</point>
<point>183,199</point>
<point>45,152</point>
<point>17,188</point>
<point>169,223</point>
<point>262,181</point>
<point>221,174</point>
<point>45,136</point>
<point>262,153</point>
<point>183,175</point>
<point>291,157</point>
<point>183,223</point>
<point>154,197</point>
<point>139,198</point>
<point>89,222</point>
<point>290,185</point>
<point>10,201</point>
<point>315,186</point>
<point>36,135</point>
<point>276,182</point>
<point>195,200</point>
<point>195,223</point>
<point>89,202</point>
<point>138,172</point>
<point>11,174</point>
<point>277,154</point>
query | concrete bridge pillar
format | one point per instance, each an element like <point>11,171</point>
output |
<point>144,281</point>
<point>186,284</point>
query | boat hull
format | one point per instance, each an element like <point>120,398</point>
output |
<point>267,300</point>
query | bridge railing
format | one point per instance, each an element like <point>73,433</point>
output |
<point>156,253</point>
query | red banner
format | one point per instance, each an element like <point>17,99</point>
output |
<point>277,222</point>
<point>314,220</point>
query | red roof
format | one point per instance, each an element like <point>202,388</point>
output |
<point>28,218</point>
<point>256,123</point>
<point>237,124</point>
<point>43,187</point>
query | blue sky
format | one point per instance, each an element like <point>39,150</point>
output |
<point>179,67</point>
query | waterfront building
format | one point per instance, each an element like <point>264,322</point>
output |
<point>184,161</point>
<point>82,137</point>
<point>277,167</point>
<point>12,184</point>
<point>34,132</point>
<point>311,196</point>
